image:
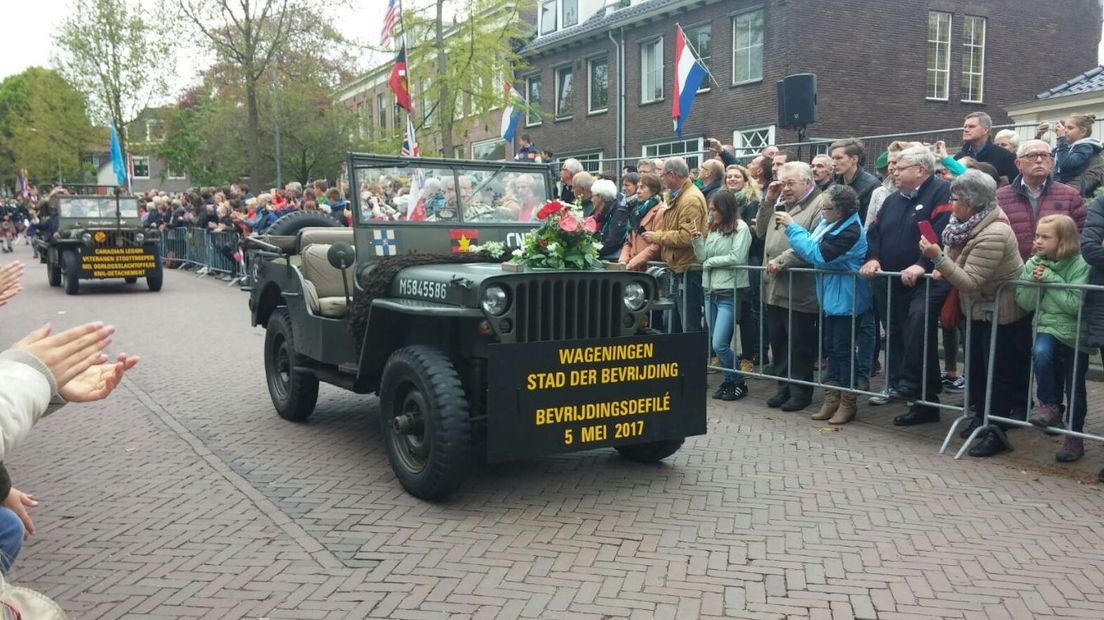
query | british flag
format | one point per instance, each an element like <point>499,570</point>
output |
<point>390,19</point>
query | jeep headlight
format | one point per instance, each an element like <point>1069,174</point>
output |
<point>495,300</point>
<point>635,296</point>
<point>86,237</point>
<point>139,237</point>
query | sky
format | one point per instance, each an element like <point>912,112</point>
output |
<point>29,45</point>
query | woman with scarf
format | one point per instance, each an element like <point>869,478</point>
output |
<point>646,215</point>
<point>979,254</point>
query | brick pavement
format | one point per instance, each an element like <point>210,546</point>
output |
<point>186,496</point>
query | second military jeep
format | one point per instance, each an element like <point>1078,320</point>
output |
<point>95,238</point>
<point>471,360</point>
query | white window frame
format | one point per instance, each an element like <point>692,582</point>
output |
<point>705,85</point>
<point>970,44</point>
<point>644,94</point>
<point>555,16</point>
<point>557,72</point>
<point>590,84</point>
<point>381,111</point>
<point>943,69</point>
<point>529,103</point>
<point>655,150</point>
<point>563,14</point>
<point>495,141</point>
<point>134,166</point>
<point>746,49</point>
<point>743,147</point>
<point>174,174</point>
<point>591,160</point>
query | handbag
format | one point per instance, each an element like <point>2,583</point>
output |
<point>19,603</point>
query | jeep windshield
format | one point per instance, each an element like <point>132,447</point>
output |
<point>441,190</point>
<point>96,208</point>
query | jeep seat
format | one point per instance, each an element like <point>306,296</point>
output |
<point>323,289</point>
<point>322,234</point>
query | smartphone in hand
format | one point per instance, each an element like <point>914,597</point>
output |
<point>927,231</point>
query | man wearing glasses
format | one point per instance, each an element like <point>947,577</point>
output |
<point>1034,194</point>
<point>977,145</point>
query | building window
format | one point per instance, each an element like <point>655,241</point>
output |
<point>548,16</point>
<point>151,130</point>
<point>651,71</point>
<point>570,13</point>
<point>973,59</point>
<point>939,55</point>
<point>747,47</point>
<point>532,101</point>
<point>598,85</point>
<point>699,38</point>
<point>491,150</point>
<point>691,150</point>
<point>458,152</point>
<point>591,160</point>
<point>381,110</point>
<point>427,105</point>
<point>173,174</point>
<point>141,166</point>
<point>565,92</point>
<point>749,142</point>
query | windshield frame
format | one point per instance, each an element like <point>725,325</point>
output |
<point>128,207</point>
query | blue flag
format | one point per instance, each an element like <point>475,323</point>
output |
<point>117,164</point>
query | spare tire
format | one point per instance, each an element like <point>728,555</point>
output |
<point>290,224</point>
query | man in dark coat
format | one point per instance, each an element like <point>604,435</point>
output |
<point>847,160</point>
<point>977,145</point>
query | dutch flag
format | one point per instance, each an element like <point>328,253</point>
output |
<point>511,116</point>
<point>689,74</point>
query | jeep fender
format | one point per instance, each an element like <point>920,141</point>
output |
<point>269,299</point>
<point>393,324</point>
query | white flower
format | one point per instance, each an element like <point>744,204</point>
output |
<point>517,252</point>
<point>597,245</point>
<point>552,247</point>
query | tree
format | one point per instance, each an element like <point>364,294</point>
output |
<point>43,126</point>
<point>116,57</point>
<point>472,59</point>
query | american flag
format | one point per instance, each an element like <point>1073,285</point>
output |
<point>390,20</point>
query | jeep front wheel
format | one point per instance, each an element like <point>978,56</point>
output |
<point>70,271</point>
<point>650,452</point>
<point>425,422</point>
<point>53,274</point>
<point>294,394</point>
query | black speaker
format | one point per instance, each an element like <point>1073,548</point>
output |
<point>797,100</point>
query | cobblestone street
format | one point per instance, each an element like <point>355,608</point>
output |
<point>184,495</point>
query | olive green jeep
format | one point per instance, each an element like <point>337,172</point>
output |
<point>472,361</point>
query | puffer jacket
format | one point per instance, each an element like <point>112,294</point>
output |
<point>685,213</point>
<point>29,393</point>
<point>719,253</point>
<point>776,290</point>
<point>636,253</point>
<point>1056,198</point>
<point>1057,309</point>
<point>989,258</point>
<point>838,246</point>
<point>1092,250</point>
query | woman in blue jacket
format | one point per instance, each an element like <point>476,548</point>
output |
<point>838,243</point>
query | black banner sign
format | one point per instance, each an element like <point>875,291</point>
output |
<point>128,262</point>
<point>553,397</point>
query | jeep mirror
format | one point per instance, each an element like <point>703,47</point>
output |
<point>341,255</point>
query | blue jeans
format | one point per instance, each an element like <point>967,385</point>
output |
<point>1057,366</point>
<point>11,538</point>
<point>841,353</point>
<point>722,323</point>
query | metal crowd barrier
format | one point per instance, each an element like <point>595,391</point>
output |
<point>207,251</point>
<point>991,422</point>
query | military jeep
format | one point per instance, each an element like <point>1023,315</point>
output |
<point>98,237</point>
<point>472,361</point>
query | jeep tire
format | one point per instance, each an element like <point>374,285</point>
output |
<point>652,452</point>
<point>293,222</point>
<point>53,274</point>
<point>294,394</point>
<point>425,420</point>
<point>70,270</point>
<point>156,277</point>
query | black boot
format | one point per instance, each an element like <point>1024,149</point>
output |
<point>783,395</point>
<point>991,445</point>
<point>917,414</point>
<point>800,398</point>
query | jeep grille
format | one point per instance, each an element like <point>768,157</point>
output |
<point>567,309</point>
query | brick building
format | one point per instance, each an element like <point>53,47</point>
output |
<point>881,67</point>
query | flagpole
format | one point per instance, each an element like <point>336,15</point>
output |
<point>697,56</point>
<point>409,65</point>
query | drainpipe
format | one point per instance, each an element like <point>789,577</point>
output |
<point>620,95</point>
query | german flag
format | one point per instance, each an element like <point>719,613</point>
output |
<point>462,238</point>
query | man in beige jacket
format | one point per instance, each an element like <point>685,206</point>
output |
<point>685,214</point>
<point>790,298</point>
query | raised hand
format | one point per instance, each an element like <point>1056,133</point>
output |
<point>98,381</point>
<point>69,353</point>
